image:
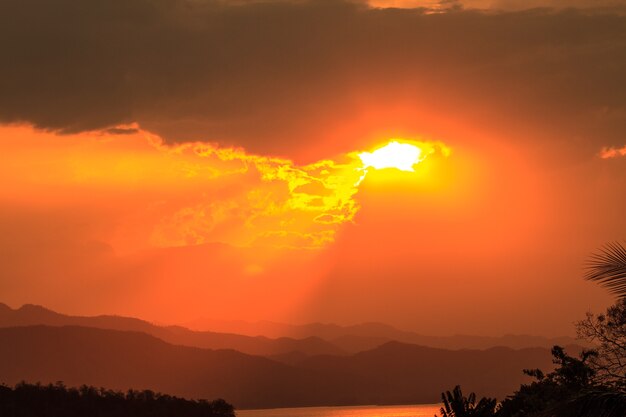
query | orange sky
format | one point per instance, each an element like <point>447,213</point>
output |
<point>150,181</point>
<point>97,223</point>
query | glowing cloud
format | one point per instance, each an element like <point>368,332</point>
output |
<point>197,193</point>
<point>279,204</point>
<point>608,153</point>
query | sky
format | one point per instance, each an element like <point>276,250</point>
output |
<point>179,159</point>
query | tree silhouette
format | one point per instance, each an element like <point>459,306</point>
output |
<point>57,400</point>
<point>455,404</point>
<point>593,403</point>
<point>592,385</point>
<point>608,333</point>
<point>541,398</point>
<point>608,268</point>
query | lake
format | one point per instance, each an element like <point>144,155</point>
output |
<point>420,410</point>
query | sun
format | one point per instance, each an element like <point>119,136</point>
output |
<point>401,156</point>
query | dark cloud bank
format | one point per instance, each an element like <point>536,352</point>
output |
<point>270,75</point>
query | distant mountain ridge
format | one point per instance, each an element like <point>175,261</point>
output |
<point>365,336</point>
<point>29,315</point>
<point>284,342</point>
<point>394,373</point>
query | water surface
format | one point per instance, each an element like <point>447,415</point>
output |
<point>420,410</point>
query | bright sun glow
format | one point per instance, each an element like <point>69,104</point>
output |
<point>397,155</point>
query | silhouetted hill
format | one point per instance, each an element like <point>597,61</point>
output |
<point>28,315</point>
<point>354,344</point>
<point>367,336</point>
<point>494,372</point>
<point>123,360</point>
<point>358,343</point>
<point>393,373</point>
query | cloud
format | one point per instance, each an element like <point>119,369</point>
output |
<point>277,77</point>
<point>150,193</point>
<point>277,203</point>
<point>612,152</point>
<point>121,130</point>
<point>532,4</point>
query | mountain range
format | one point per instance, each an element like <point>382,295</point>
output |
<point>395,373</point>
<point>40,345</point>
<point>366,336</point>
<point>260,345</point>
<point>275,339</point>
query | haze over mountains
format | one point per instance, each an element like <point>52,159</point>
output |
<point>270,338</point>
<point>37,344</point>
<point>365,336</point>
<point>33,315</point>
<point>392,373</point>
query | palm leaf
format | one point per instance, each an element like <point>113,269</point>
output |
<point>608,268</point>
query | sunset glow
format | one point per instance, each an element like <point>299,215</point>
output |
<point>443,167</point>
<point>397,155</point>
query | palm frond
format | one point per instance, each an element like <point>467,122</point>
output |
<point>608,268</point>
